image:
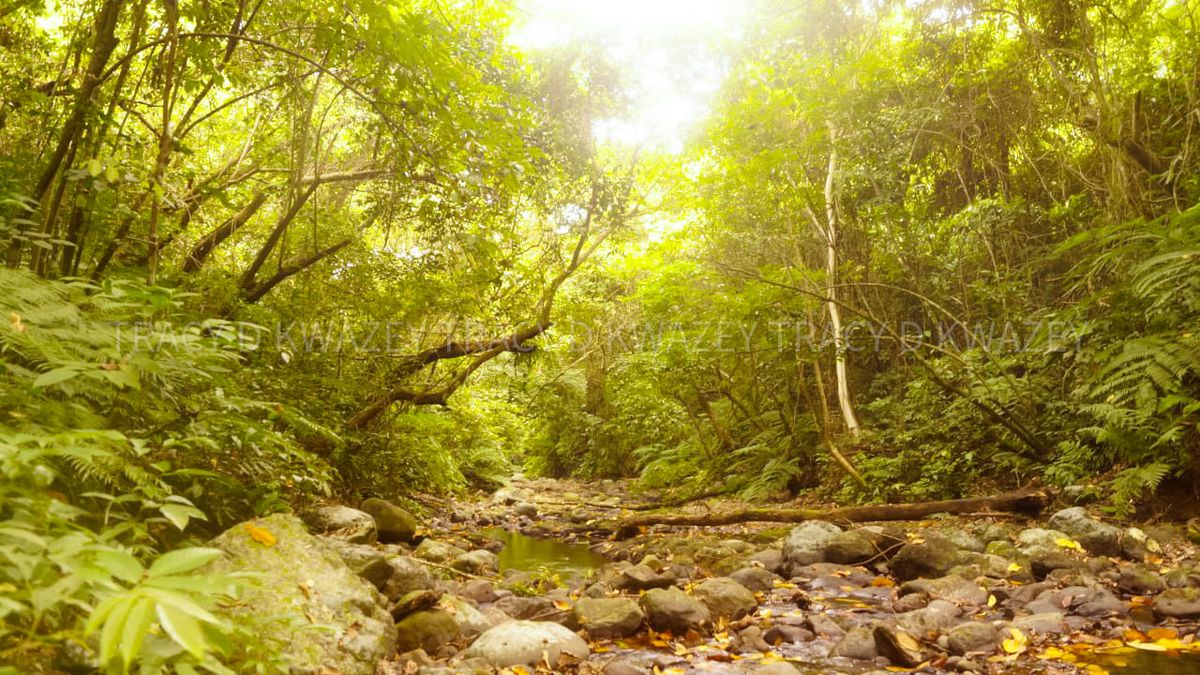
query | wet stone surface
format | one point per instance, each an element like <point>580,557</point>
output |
<point>1067,593</point>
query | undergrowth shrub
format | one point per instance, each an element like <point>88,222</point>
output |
<point>112,449</point>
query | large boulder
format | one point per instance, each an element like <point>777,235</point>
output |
<point>341,622</point>
<point>862,545</point>
<point>521,607</point>
<point>366,561</point>
<point>480,561</point>
<point>429,630</point>
<point>935,618</point>
<point>1097,537</point>
<point>952,587</point>
<point>608,617</point>
<point>857,643</point>
<point>437,551</point>
<point>471,621</point>
<point>931,557</point>
<point>526,643</point>
<point>1177,603</point>
<point>725,597</point>
<point>342,522</point>
<point>672,609</point>
<point>1079,600</point>
<point>755,578</point>
<point>407,576</point>
<point>642,577</point>
<point>395,525</point>
<point>806,543</point>
<point>973,637</point>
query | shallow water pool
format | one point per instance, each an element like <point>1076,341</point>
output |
<point>525,553</point>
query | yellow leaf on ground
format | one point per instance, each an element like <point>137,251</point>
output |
<point>1068,543</point>
<point>1162,634</point>
<point>1056,654</point>
<point>1015,644</point>
<point>260,534</point>
<point>991,600</point>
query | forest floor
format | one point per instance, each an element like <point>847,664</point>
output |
<point>1063,593</point>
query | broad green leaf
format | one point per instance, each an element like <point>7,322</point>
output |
<point>114,625</point>
<point>55,376</point>
<point>183,629</point>
<point>181,603</point>
<point>121,565</point>
<point>183,560</point>
<point>180,514</point>
<point>137,624</point>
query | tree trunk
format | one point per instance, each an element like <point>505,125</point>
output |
<point>845,400</point>
<point>1027,501</point>
<point>102,48</point>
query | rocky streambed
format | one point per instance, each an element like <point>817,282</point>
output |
<point>509,584</point>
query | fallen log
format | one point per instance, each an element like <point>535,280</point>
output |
<point>1026,502</point>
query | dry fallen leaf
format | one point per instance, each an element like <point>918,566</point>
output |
<point>1016,644</point>
<point>260,534</point>
<point>1068,543</point>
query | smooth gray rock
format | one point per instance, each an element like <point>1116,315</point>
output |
<point>951,587</point>
<point>394,523</point>
<point>787,633</point>
<point>973,637</point>
<point>862,545</point>
<point>1177,603</point>
<point>822,625</point>
<point>642,577</point>
<point>476,562</point>
<point>933,557</point>
<point>1139,581</point>
<point>771,560</point>
<point>725,597</point>
<point>407,575</point>
<point>964,540</point>
<point>672,609</point>
<point>343,522</point>
<point>470,621</point>
<point>1035,538</point>
<point>1097,537</point>
<point>608,617</point>
<point>366,561</point>
<point>437,551</point>
<point>1079,600</point>
<point>756,579</point>
<point>857,643</point>
<point>524,608</point>
<point>429,630</point>
<point>525,643</point>
<point>1136,544</point>
<point>1047,623</point>
<point>805,544</point>
<point>937,617</point>
<point>479,591</point>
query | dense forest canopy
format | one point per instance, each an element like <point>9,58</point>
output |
<point>263,253</point>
